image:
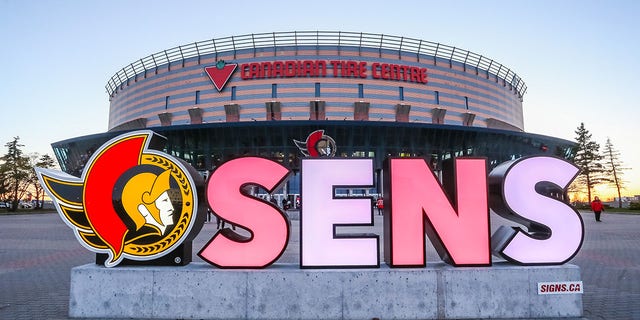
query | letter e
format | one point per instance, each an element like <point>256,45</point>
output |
<point>322,212</point>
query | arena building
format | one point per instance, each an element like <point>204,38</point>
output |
<point>374,95</point>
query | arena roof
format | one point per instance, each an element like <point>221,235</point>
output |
<point>423,50</point>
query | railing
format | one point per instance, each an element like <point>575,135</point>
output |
<point>403,45</point>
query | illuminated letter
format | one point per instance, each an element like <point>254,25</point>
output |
<point>394,72</point>
<point>278,69</point>
<point>423,75</point>
<point>290,68</point>
<point>308,68</point>
<point>530,191</point>
<point>243,71</point>
<point>405,70</point>
<point>266,70</point>
<point>374,70</point>
<point>335,65</point>
<point>322,67</point>
<point>362,70</point>
<point>268,226</point>
<point>385,71</point>
<point>415,74</point>
<point>322,212</point>
<point>415,201</point>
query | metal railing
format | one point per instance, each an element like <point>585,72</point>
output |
<point>421,48</point>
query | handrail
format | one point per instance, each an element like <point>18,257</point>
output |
<point>316,39</point>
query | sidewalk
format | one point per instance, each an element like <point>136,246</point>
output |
<point>37,252</point>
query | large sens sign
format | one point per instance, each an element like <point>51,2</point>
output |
<point>135,202</point>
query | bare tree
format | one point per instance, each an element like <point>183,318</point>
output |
<point>615,168</point>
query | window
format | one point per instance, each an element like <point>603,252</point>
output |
<point>360,90</point>
<point>437,97</point>
<point>197,96</point>
<point>274,91</point>
<point>317,90</point>
<point>166,102</point>
<point>466,102</point>
<point>233,93</point>
<point>401,93</point>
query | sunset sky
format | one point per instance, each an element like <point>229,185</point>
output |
<point>579,59</point>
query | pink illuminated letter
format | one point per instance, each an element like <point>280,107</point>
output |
<point>322,212</point>
<point>533,194</point>
<point>417,200</point>
<point>268,226</point>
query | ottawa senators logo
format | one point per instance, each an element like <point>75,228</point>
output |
<point>317,145</point>
<point>131,201</point>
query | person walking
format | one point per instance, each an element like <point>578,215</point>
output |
<point>380,205</point>
<point>597,207</point>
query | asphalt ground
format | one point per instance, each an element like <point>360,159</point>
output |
<point>37,252</point>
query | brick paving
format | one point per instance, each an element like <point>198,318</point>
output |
<point>37,252</point>
<point>610,265</point>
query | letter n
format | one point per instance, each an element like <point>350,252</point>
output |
<point>415,202</point>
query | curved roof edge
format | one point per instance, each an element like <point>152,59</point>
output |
<point>317,38</point>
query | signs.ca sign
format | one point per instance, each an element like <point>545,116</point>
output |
<point>137,203</point>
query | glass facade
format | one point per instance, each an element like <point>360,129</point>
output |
<point>205,146</point>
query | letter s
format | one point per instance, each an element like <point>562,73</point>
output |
<point>530,191</point>
<point>268,226</point>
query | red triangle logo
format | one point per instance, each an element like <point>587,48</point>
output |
<point>221,73</point>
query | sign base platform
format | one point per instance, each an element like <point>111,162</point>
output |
<point>284,291</point>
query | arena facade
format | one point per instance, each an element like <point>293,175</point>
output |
<point>373,95</point>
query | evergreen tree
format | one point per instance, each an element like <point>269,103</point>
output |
<point>614,168</point>
<point>16,170</point>
<point>4,183</point>
<point>588,159</point>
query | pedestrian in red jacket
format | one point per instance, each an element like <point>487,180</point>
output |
<point>380,205</point>
<point>597,207</point>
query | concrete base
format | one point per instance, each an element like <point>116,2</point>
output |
<point>283,291</point>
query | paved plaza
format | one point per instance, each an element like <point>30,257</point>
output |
<point>37,252</point>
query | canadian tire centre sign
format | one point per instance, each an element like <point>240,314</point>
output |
<point>222,71</point>
<point>134,202</point>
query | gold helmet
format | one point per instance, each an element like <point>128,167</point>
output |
<point>143,189</point>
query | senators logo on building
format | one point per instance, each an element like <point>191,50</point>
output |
<point>317,144</point>
<point>132,201</point>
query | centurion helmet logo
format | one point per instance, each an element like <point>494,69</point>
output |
<point>130,202</point>
<point>317,145</point>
